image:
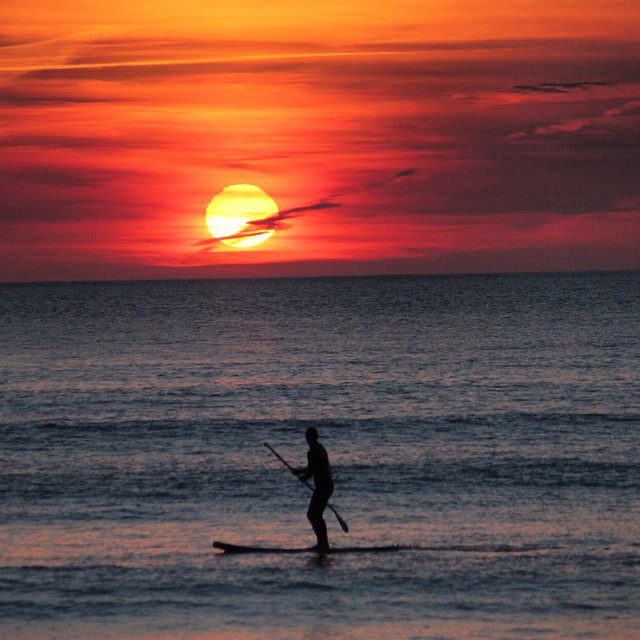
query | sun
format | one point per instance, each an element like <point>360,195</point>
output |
<point>231,211</point>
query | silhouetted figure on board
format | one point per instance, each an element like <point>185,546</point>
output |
<point>317,466</point>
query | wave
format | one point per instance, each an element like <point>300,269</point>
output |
<point>483,420</point>
<point>544,472</point>
<point>140,490</point>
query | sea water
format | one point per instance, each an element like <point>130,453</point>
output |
<point>490,421</point>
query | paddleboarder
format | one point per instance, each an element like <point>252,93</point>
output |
<point>317,466</point>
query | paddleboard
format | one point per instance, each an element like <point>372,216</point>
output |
<point>238,548</point>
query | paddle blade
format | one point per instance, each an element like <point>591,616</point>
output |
<point>342,523</point>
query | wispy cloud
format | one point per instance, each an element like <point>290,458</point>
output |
<point>556,87</point>
<point>122,57</point>
<point>555,93</point>
<point>271,223</point>
<point>401,174</point>
<point>619,119</point>
<point>275,222</point>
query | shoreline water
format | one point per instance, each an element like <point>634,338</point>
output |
<point>434,629</point>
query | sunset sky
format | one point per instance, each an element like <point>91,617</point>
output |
<point>439,136</point>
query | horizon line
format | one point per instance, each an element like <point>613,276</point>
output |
<point>447,274</point>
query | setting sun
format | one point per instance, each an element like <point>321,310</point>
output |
<point>230,213</point>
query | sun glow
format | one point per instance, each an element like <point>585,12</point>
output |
<point>231,211</point>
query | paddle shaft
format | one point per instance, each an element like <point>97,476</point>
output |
<point>341,522</point>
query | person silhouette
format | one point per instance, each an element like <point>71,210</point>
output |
<point>317,466</point>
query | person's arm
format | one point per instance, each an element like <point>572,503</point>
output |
<point>304,473</point>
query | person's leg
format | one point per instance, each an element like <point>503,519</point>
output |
<point>317,506</point>
<point>314,511</point>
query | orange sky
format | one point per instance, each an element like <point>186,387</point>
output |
<point>515,128</point>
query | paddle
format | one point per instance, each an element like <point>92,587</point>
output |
<point>341,522</point>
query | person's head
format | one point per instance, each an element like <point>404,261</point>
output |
<point>311,435</point>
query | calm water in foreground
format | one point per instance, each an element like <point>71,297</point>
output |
<point>493,421</point>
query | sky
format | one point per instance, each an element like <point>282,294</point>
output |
<point>440,136</point>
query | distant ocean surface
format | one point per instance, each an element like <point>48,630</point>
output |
<point>492,421</point>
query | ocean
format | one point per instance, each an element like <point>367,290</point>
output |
<point>491,423</point>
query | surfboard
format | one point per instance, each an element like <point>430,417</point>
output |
<point>238,548</point>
